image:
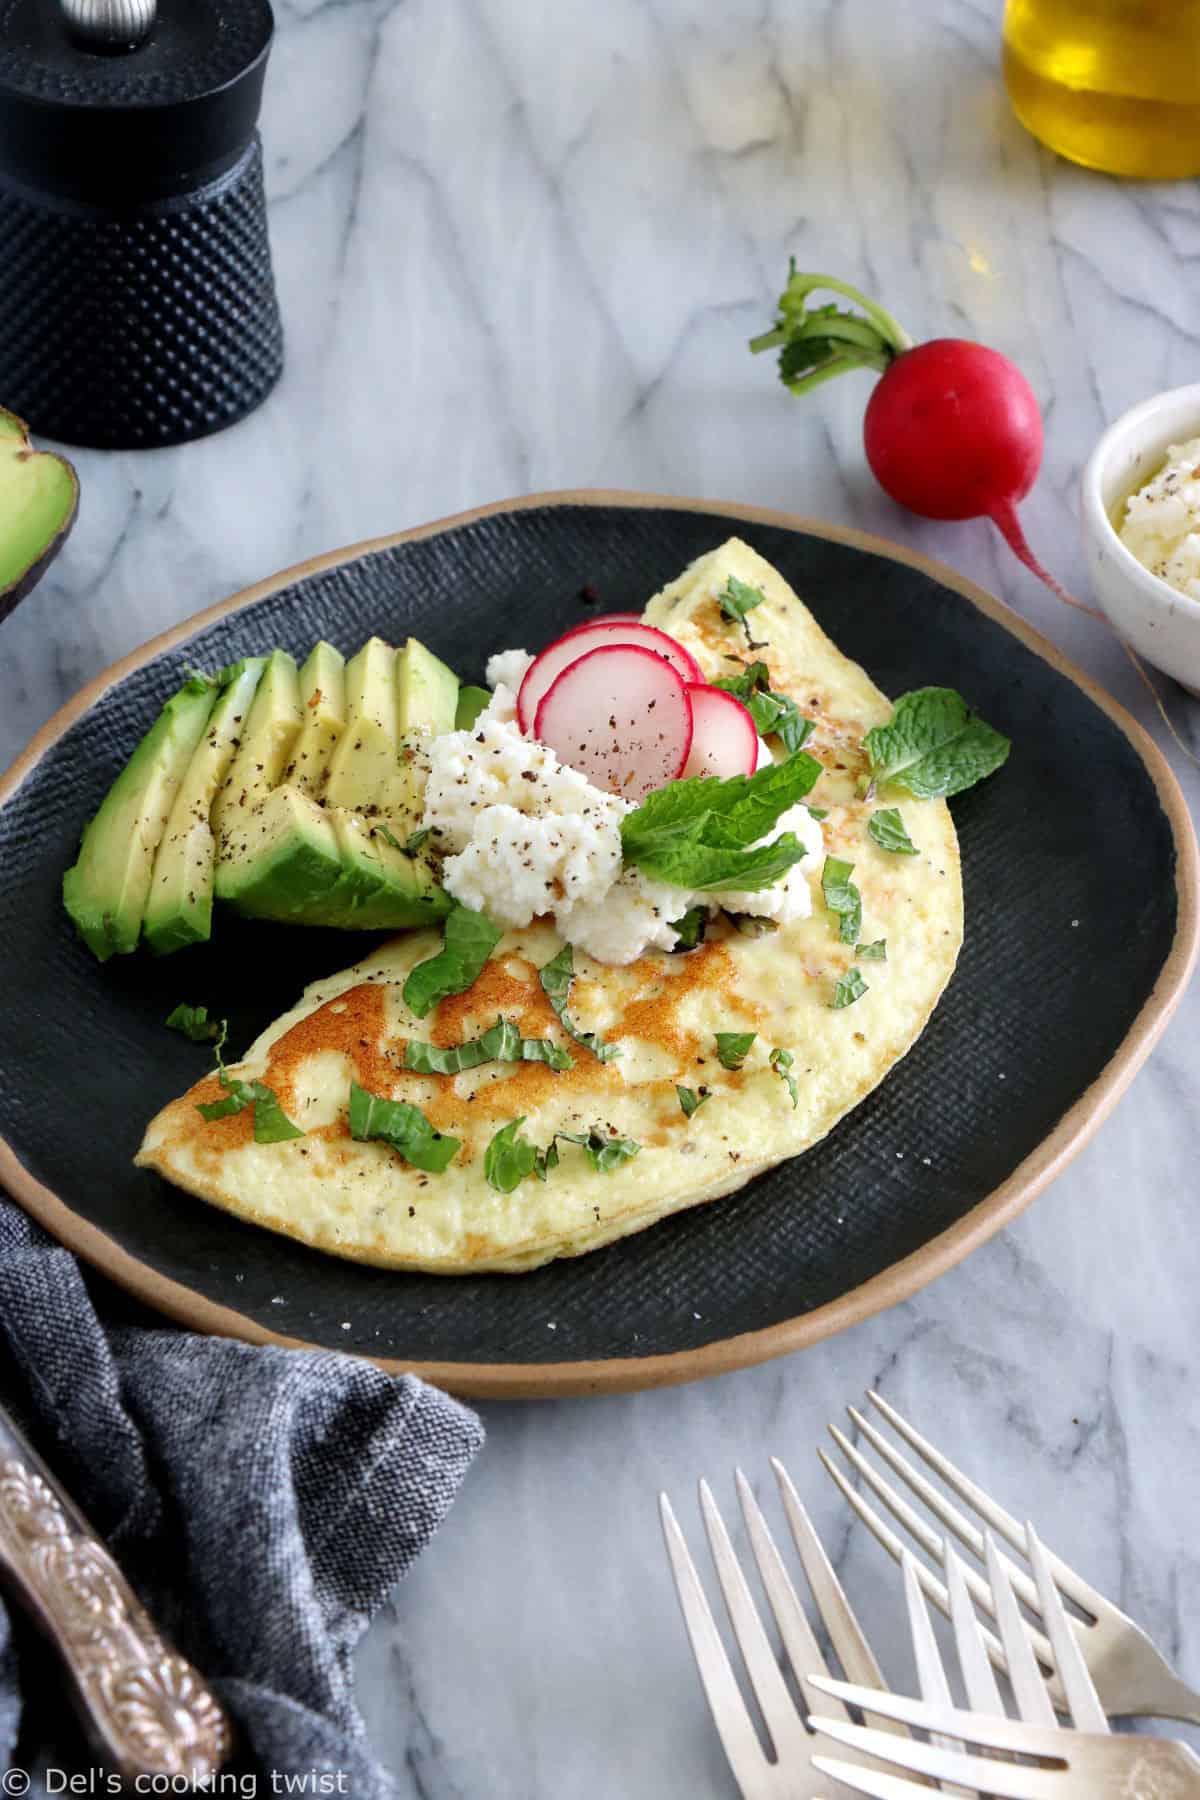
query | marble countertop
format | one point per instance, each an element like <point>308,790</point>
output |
<point>519,248</point>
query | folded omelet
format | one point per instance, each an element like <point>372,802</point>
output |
<point>363,1201</point>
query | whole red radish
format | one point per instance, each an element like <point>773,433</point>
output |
<point>952,429</point>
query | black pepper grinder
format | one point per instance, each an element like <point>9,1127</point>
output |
<point>137,302</point>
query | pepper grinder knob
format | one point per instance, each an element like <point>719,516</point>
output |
<point>110,24</point>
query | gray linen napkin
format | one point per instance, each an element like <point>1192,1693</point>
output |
<point>262,1501</point>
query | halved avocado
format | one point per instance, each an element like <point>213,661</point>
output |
<point>105,891</point>
<point>179,905</point>
<point>426,691</point>
<point>39,496</point>
<point>323,704</point>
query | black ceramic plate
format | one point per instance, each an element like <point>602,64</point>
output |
<point>1079,856</point>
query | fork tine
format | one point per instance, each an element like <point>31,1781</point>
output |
<point>937,1503</point>
<point>783,1720</point>
<point>845,1633</point>
<point>1033,1702</point>
<point>929,1540</point>
<point>1077,1684</point>
<point>730,1713</point>
<point>1065,1578</point>
<point>983,1693</point>
<point>982,1775</point>
<point>799,1639</point>
<point>870,1781</point>
<point>931,1670</point>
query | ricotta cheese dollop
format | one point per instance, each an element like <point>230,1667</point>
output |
<point>523,835</point>
<point>1162,520</point>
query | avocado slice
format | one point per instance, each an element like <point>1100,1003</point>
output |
<point>282,861</point>
<point>426,691</point>
<point>39,497</point>
<point>105,891</point>
<point>471,702</point>
<point>367,769</point>
<point>179,905</point>
<point>391,888</point>
<point>264,751</point>
<point>323,705</point>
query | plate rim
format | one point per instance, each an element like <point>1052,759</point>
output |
<point>901,1279</point>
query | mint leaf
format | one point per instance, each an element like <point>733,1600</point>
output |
<point>842,897</point>
<point>556,977</point>
<point>271,1123</point>
<point>468,939</point>
<point>849,988</point>
<point>509,1158</point>
<point>886,828</point>
<point>752,925</point>
<point>876,952</point>
<point>471,702</point>
<point>415,839</point>
<point>705,833</point>
<point>773,713</point>
<point>781,1061</point>
<point>690,929</point>
<point>690,1100</point>
<point>934,745</point>
<point>733,1047</point>
<point>818,813</point>
<point>402,1126</point>
<point>195,1024</point>
<point>502,1043</point>
<point>738,599</point>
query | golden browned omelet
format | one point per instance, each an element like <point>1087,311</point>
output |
<point>362,1201</point>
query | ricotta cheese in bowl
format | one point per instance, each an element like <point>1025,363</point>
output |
<point>525,836</point>
<point>1162,520</point>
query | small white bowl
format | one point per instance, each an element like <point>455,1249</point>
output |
<point>1161,624</point>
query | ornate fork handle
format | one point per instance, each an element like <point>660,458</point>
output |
<point>144,1708</point>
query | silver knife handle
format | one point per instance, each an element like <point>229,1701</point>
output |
<point>144,1708</point>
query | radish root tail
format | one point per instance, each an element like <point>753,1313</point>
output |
<point>1004,517</point>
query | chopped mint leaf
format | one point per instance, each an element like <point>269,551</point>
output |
<point>842,897</point>
<point>886,828</point>
<point>271,1123</point>
<point>690,1099</point>
<point>781,1061</point>
<point>733,1047</point>
<point>415,839</point>
<point>195,1023</point>
<point>737,599</point>
<point>818,813</point>
<point>934,745</point>
<point>691,928</point>
<point>556,977</point>
<point>502,1043</point>
<point>604,1153</point>
<point>772,712</point>
<point>705,833</point>
<point>402,1126</point>
<point>468,940</point>
<point>389,837</point>
<point>849,988</point>
<point>876,952</point>
<point>509,1158</point>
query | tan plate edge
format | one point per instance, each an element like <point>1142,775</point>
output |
<point>902,1279</point>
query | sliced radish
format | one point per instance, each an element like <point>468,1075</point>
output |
<point>600,633</point>
<point>621,715</point>
<point>725,738</point>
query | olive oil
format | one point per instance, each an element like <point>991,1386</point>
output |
<point>1113,84</point>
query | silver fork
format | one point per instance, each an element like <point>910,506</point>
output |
<point>788,1774</point>
<point>1131,1676</point>
<point>1087,1764</point>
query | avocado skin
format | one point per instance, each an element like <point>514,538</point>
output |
<point>105,890</point>
<point>178,908</point>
